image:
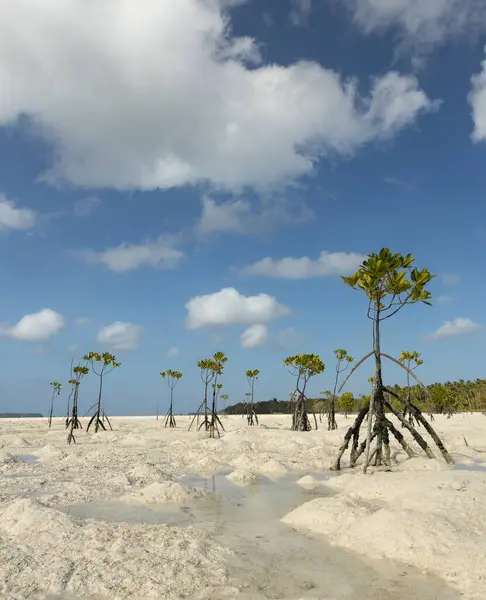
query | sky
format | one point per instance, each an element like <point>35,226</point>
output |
<point>181,178</point>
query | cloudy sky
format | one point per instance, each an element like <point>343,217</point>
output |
<point>178,178</point>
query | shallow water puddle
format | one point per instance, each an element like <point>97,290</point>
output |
<point>270,559</point>
<point>481,467</point>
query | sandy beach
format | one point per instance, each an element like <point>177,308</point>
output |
<point>144,512</point>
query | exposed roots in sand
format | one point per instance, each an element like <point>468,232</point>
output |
<point>382,427</point>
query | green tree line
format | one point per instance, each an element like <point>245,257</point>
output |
<point>438,398</point>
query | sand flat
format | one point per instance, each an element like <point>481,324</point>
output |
<point>147,512</point>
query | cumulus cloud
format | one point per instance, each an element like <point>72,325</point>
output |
<point>86,206</point>
<point>290,338</point>
<point>126,257</point>
<point>153,94</point>
<point>120,335</point>
<point>423,24</point>
<point>455,328</point>
<point>35,327</point>
<point>450,279</point>
<point>12,217</point>
<point>300,12</point>
<point>240,216</point>
<point>229,307</point>
<point>172,353</point>
<point>328,263</point>
<point>254,337</point>
<point>477,100</point>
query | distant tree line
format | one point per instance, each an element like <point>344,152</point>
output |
<point>438,398</point>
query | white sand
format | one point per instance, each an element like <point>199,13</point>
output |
<point>422,514</point>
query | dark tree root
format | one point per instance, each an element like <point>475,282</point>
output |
<point>105,416</point>
<point>169,420</point>
<point>331,419</point>
<point>96,419</point>
<point>251,417</point>
<point>205,422</point>
<point>214,425</point>
<point>382,427</point>
<point>419,418</point>
<point>300,418</point>
<point>353,431</point>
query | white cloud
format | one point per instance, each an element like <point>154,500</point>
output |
<point>290,338</point>
<point>328,263</point>
<point>455,328</point>
<point>450,279</point>
<point>300,12</point>
<point>254,337</point>
<point>239,216</point>
<point>83,321</point>
<point>172,353</point>
<point>86,206</point>
<point>423,24</point>
<point>477,100</point>
<point>35,327</point>
<point>160,254</point>
<point>229,307</point>
<point>120,335</point>
<point>12,217</point>
<point>444,299</point>
<point>167,96</point>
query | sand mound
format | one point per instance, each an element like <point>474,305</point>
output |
<point>50,453</point>
<point>7,459</point>
<point>387,516</point>
<point>15,441</point>
<point>310,482</point>
<point>43,550</point>
<point>145,474</point>
<point>242,477</point>
<point>167,491</point>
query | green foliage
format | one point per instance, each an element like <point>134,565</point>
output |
<point>346,402</point>
<point>79,372</point>
<point>408,358</point>
<point>390,282</point>
<point>305,366</point>
<point>107,362</point>
<point>342,355</point>
<point>252,375</point>
<point>172,377</point>
<point>56,387</point>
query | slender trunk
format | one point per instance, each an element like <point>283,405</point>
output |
<point>378,401</point>
<point>171,397</point>
<point>51,411</point>
<point>98,410</point>
<point>331,417</point>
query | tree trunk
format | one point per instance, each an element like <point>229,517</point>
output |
<point>378,408</point>
<point>331,415</point>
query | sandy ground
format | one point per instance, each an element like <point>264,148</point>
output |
<point>118,515</point>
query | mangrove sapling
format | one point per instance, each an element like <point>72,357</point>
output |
<point>107,364</point>
<point>346,403</point>
<point>302,366</point>
<point>224,398</point>
<point>219,360</point>
<point>251,415</point>
<point>323,403</point>
<point>73,422</point>
<point>390,282</point>
<point>342,357</point>
<point>411,360</point>
<point>207,375</point>
<point>172,380</point>
<point>56,390</point>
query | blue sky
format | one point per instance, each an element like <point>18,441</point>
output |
<point>152,155</point>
